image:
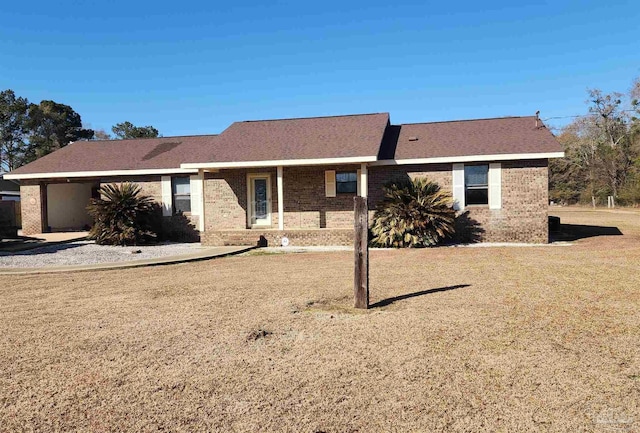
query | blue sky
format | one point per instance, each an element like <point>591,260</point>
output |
<point>193,67</point>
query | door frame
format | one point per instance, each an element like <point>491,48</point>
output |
<point>250,200</point>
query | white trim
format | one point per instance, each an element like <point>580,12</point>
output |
<point>495,185</point>
<point>202,184</point>
<point>469,158</point>
<point>192,168</point>
<point>362,178</point>
<point>102,173</point>
<point>282,162</point>
<point>280,182</point>
<point>250,177</point>
<point>458,187</point>
<point>167,195</point>
<point>195,190</point>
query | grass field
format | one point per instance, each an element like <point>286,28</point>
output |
<point>460,339</point>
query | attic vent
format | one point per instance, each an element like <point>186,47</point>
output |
<point>413,138</point>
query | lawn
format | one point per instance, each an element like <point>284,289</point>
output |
<point>460,339</point>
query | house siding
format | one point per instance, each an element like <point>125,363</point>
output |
<point>149,185</point>
<point>311,218</point>
<point>523,214</point>
<point>32,202</point>
<point>305,204</point>
<point>31,207</point>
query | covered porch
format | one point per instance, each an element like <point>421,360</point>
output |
<point>285,204</point>
<point>57,205</point>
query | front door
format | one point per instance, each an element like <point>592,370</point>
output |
<point>259,200</point>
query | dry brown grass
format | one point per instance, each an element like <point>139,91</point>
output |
<point>525,339</point>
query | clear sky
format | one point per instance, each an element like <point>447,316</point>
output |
<point>194,67</point>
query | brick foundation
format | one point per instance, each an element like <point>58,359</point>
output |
<point>311,237</point>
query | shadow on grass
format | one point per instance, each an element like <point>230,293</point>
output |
<point>573,232</point>
<point>389,301</point>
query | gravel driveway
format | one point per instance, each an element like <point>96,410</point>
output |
<point>88,253</point>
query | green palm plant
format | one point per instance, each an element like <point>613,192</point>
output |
<point>413,213</point>
<point>123,216</point>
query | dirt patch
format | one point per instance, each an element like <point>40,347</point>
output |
<point>258,334</point>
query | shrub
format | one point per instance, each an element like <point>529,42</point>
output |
<point>413,213</point>
<point>123,216</point>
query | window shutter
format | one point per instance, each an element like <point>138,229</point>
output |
<point>458,186</point>
<point>195,183</point>
<point>330,183</point>
<point>495,185</point>
<point>167,196</point>
<point>358,184</point>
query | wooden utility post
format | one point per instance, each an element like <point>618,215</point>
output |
<point>361,251</point>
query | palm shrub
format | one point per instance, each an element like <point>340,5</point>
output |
<point>123,216</point>
<point>413,213</point>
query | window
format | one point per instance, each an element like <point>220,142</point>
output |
<point>181,192</point>
<point>476,184</point>
<point>346,182</point>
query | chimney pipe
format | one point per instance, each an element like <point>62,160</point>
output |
<point>537,118</point>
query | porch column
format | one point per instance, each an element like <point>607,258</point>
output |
<point>280,199</point>
<point>363,180</point>
<point>201,181</point>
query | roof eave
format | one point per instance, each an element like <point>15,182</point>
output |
<point>469,158</point>
<point>104,173</point>
<point>276,163</point>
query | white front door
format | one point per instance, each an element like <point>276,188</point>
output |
<point>259,200</point>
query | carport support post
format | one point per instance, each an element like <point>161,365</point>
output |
<point>361,252</point>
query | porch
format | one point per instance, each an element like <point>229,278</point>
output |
<point>271,206</point>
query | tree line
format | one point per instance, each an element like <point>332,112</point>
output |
<point>602,152</point>
<point>29,131</point>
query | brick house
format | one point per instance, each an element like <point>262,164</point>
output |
<point>296,178</point>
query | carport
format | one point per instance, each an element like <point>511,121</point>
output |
<point>65,205</point>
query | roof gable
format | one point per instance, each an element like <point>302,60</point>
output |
<point>349,136</point>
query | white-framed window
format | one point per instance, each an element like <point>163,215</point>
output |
<point>477,185</point>
<point>181,194</point>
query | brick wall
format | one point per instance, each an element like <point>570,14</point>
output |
<point>305,203</point>
<point>31,204</point>
<point>525,201</point>
<point>149,185</point>
<point>225,200</point>
<point>523,216</point>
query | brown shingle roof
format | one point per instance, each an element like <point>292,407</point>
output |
<point>304,138</point>
<point>136,154</point>
<point>506,135</point>
<point>364,135</point>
